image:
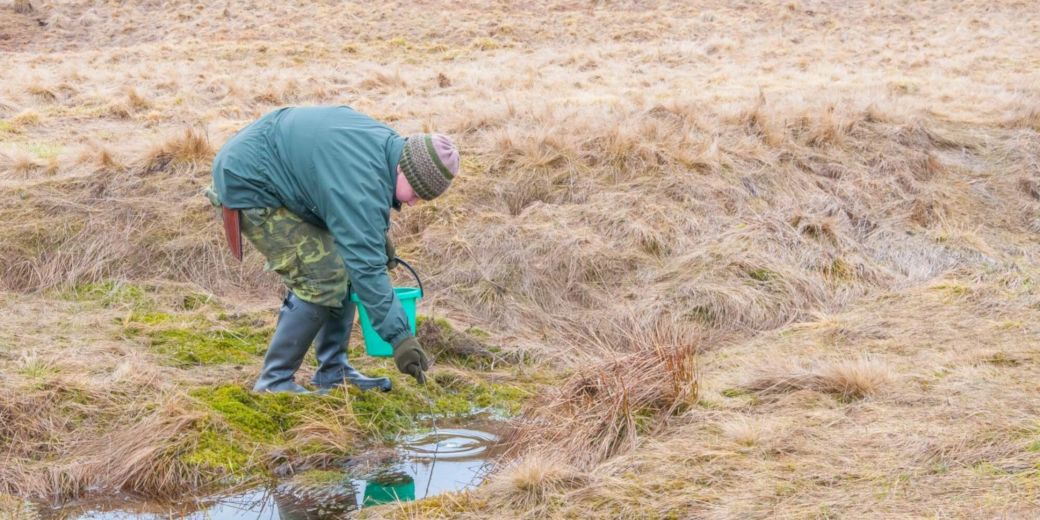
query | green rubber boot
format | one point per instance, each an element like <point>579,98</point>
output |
<point>331,350</point>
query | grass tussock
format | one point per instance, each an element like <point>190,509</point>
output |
<point>748,432</point>
<point>22,165</point>
<point>847,379</point>
<point>190,151</point>
<point>25,119</point>
<point>106,160</point>
<point>528,484</point>
<point>608,406</point>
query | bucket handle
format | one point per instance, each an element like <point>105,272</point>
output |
<point>414,274</point>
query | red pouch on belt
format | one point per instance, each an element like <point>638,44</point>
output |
<point>233,231</point>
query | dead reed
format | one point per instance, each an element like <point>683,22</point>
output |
<point>609,406</point>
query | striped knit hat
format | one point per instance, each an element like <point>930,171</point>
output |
<point>429,162</point>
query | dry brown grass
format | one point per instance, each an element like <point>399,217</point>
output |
<point>744,431</point>
<point>23,6</point>
<point>845,378</point>
<point>111,222</point>
<point>89,414</point>
<point>118,447</point>
<point>337,429</point>
<point>527,484</point>
<point>608,406</point>
<point>829,201</point>
<point>189,152</point>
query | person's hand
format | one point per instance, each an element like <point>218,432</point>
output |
<point>391,254</point>
<point>410,359</point>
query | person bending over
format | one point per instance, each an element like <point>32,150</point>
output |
<point>311,188</point>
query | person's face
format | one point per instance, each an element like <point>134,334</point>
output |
<point>405,194</point>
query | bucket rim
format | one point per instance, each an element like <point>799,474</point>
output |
<point>403,293</point>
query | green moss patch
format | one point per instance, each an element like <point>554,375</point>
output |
<point>246,432</point>
<point>218,450</point>
<point>263,417</point>
<point>195,301</point>
<point>189,347</point>
<point>150,318</point>
<point>177,325</point>
<point>446,394</point>
<point>6,127</point>
<point>111,294</point>
<point>246,435</point>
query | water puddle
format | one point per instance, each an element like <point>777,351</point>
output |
<point>432,463</point>
<point>425,464</point>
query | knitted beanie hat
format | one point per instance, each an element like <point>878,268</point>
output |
<point>429,162</point>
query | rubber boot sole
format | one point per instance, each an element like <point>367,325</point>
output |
<point>382,384</point>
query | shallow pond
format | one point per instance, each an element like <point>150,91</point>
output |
<point>426,464</point>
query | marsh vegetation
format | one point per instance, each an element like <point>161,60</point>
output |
<point>717,259</point>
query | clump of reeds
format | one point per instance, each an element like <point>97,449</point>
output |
<point>607,406</point>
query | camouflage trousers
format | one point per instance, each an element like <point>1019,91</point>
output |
<point>303,254</point>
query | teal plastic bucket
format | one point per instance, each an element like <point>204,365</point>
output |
<point>374,345</point>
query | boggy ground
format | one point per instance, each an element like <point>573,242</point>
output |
<point>145,389</point>
<point>784,253</point>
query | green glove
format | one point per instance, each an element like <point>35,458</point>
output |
<point>391,254</point>
<point>410,359</point>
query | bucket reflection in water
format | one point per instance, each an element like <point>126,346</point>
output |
<point>389,487</point>
<point>431,463</point>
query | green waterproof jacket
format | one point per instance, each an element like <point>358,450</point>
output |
<point>336,168</point>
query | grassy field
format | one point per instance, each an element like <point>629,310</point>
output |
<point>783,255</point>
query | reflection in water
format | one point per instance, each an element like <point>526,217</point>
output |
<point>432,463</point>
<point>257,504</point>
<point>449,444</point>
<point>292,507</point>
<point>386,487</point>
<point>429,464</point>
